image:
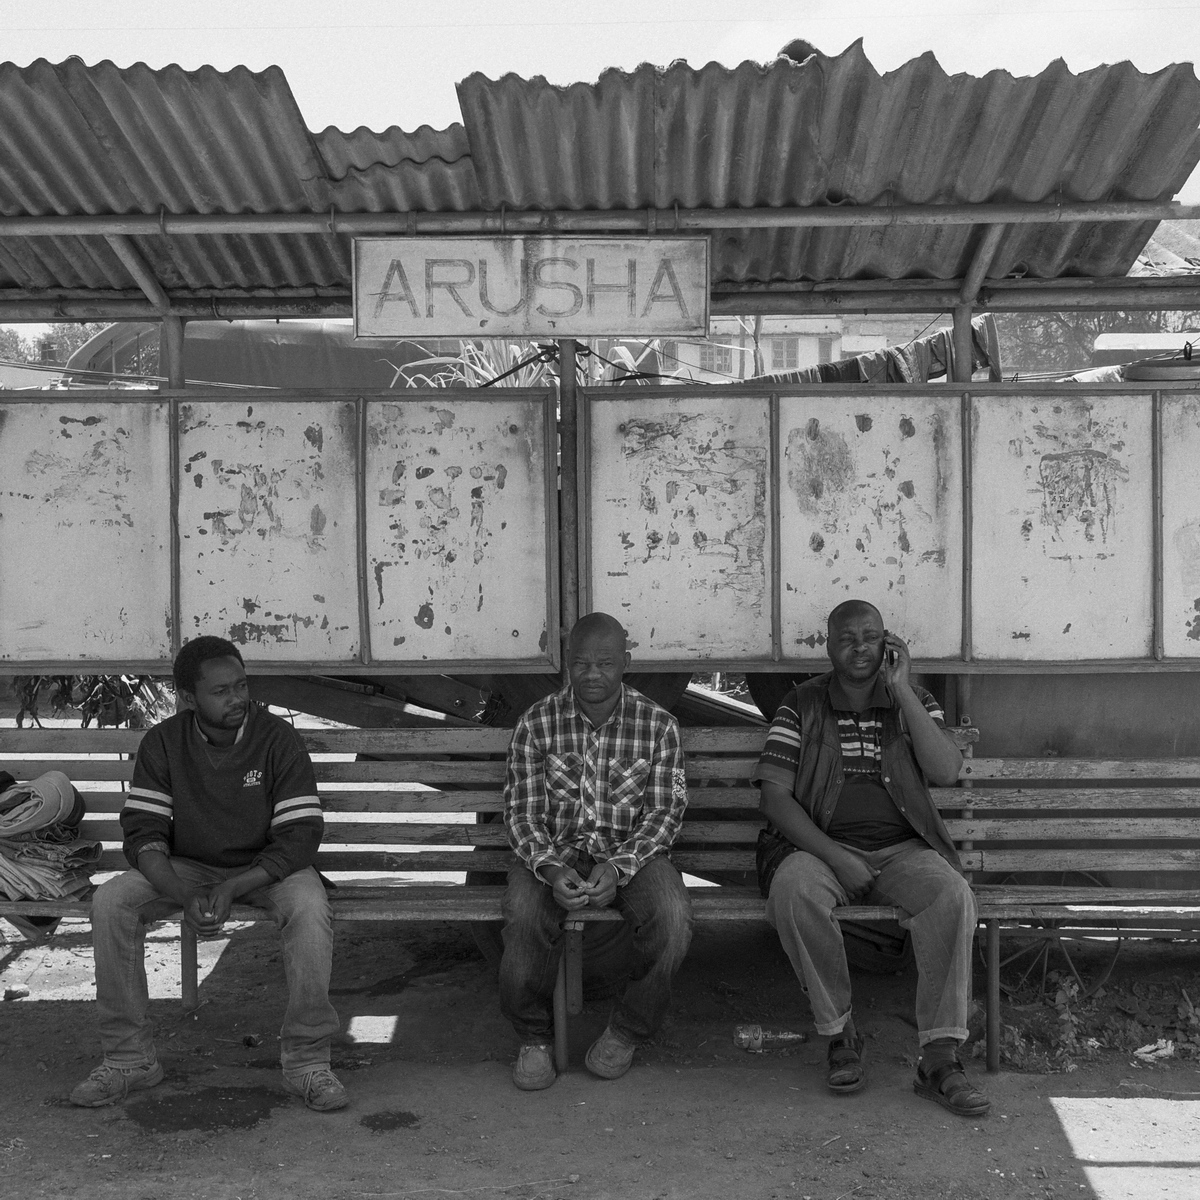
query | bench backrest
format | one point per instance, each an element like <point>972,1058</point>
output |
<point>414,801</point>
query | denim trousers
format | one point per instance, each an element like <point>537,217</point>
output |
<point>939,913</point>
<point>654,903</point>
<point>126,904</point>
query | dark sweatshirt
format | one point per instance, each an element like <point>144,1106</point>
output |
<point>252,804</point>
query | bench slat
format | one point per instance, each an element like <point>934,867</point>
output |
<point>1024,893</point>
<point>1061,859</point>
<point>1075,829</point>
<point>481,739</point>
<point>1081,768</point>
<point>1010,799</point>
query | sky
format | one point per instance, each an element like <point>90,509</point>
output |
<point>395,62</point>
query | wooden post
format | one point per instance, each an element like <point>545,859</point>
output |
<point>568,494</point>
<point>573,957</point>
<point>190,967</point>
<point>170,352</point>
<point>561,1056</point>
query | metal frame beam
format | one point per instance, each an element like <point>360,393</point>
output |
<point>839,296</point>
<point>138,268</point>
<point>658,220</point>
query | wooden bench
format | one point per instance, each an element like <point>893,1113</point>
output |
<point>429,802</point>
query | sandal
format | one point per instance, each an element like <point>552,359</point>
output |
<point>847,1068</point>
<point>949,1086</point>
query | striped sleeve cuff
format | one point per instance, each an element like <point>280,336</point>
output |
<point>145,800</point>
<point>768,772</point>
<point>297,808</point>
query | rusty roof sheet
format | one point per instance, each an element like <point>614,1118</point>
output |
<point>80,139</point>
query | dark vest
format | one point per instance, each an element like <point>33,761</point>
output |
<point>819,777</point>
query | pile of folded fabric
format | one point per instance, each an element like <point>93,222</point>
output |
<point>42,856</point>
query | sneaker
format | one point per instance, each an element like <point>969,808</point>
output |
<point>610,1055</point>
<point>321,1088</point>
<point>534,1068</point>
<point>107,1085</point>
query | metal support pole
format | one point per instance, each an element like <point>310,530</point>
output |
<point>993,995</point>
<point>568,494</point>
<point>963,350</point>
<point>170,352</point>
<point>139,269</point>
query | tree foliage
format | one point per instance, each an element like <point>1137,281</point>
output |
<point>1063,341</point>
<point>65,336</point>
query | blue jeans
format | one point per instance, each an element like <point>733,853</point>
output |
<point>940,915</point>
<point>126,904</point>
<point>655,904</point>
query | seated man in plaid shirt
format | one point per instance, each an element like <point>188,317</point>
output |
<point>594,798</point>
<point>850,821</point>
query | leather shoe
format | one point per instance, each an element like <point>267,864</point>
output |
<point>610,1055</point>
<point>534,1068</point>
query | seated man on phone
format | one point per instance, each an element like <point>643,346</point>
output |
<point>843,782</point>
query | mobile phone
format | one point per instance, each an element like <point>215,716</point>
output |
<point>889,655</point>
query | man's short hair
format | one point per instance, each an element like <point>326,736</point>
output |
<point>597,623</point>
<point>850,608</point>
<point>195,654</point>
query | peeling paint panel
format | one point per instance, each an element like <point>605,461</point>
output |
<point>1063,515</point>
<point>267,515</point>
<point>457,563</point>
<point>1181,525</point>
<point>871,507</point>
<point>679,509</point>
<point>85,565</point>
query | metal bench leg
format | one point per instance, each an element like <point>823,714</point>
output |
<point>993,995</point>
<point>560,1017</point>
<point>191,972</point>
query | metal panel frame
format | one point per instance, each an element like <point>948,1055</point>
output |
<point>589,397</point>
<point>978,393</point>
<point>364,664</point>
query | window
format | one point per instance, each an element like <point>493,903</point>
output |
<point>785,353</point>
<point>824,349</point>
<point>717,356</point>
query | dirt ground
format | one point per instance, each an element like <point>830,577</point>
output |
<point>426,1055</point>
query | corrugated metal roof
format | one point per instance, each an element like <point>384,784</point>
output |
<point>832,130</point>
<point>79,139</point>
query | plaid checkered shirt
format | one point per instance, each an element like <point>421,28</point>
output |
<point>616,793</point>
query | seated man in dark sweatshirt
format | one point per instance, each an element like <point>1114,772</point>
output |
<point>223,807</point>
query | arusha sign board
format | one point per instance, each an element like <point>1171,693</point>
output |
<point>530,287</point>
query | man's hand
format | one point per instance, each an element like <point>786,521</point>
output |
<point>853,873</point>
<point>199,914</point>
<point>895,652</point>
<point>570,892</point>
<point>220,901</point>
<point>602,885</point>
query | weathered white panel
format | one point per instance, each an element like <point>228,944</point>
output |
<point>678,503</point>
<point>456,529</point>
<point>267,527</point>
<point>1063,545</point>
<point>85,564</point>
<point>871,507</point>
<point>1181,525</point>
<point>518,286</point>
